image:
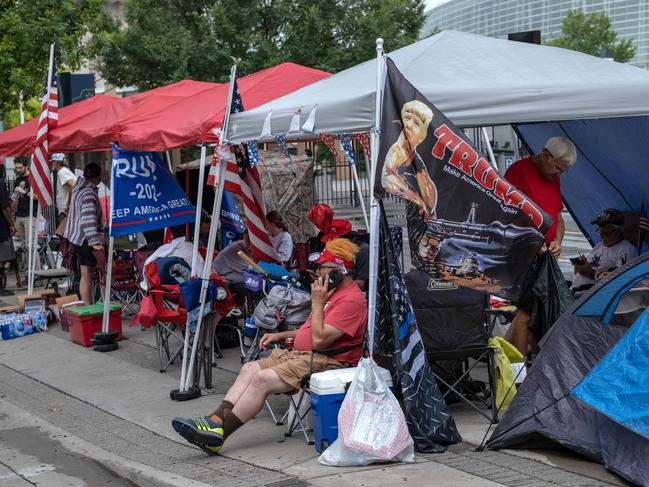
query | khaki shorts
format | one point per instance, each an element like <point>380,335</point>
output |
<point>292,366</point>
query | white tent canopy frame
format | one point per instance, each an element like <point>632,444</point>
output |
<point>474,80</point>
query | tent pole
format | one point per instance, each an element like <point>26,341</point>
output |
<point>360,193</point>
<point>485,136</point>
<point>199,207</point>
<point>109,277</point>
<point>197,228</point>
<point>374,207</point>
<point>517,155</point>
<point>30,244</point>
<point>211,241</point>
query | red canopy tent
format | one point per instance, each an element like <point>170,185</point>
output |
<point>19,141</point>
<point>96,131</point>
<point>176,115</point>
<point>196,119</point>
<point>85,126</point>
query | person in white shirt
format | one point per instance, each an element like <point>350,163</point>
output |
<point>279,236</point>
<point>609,254</point>
<point>65,181</point>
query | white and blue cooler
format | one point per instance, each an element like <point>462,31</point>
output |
<point>328,390</point>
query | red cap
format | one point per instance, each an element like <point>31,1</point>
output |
<point>339,228</point>
<point>327,256</point>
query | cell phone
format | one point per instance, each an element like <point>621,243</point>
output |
<point>578,260</point>
<point>334,278</point>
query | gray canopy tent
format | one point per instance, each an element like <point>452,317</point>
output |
<point>602,106</point>
<point>474,80</point>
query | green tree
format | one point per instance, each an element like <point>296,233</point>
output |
<point>162,41</point>
<point>28,27</point>
<point>590,33</point>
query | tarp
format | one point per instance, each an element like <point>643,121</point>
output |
<point>176,115</point>
<point>472,79</point>
<point>197,119</point>
<point>546,408</point>
<point>611,157</point>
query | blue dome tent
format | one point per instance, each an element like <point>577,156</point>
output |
<point>588,389</point>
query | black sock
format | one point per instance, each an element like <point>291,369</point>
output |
<point>223,411</point>
<point>231,424</point>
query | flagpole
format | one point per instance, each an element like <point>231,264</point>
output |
<point>374,206</point>
<point>216,208</point>
<point>106,341</point>
<point>211,241</point>
<point>194,271</point>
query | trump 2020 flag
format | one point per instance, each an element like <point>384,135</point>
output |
<point>145,195</point>
<point>232,226</point>
<point>465,223</point>
<point>429,420</point>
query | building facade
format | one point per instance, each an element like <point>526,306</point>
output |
<point>629,18</point>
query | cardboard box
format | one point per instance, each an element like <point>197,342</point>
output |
<point>61,303</point>
<point>49,295</point>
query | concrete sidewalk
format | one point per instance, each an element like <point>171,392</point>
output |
<point>118,405</point>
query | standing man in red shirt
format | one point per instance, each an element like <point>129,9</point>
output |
<point>337,323</point>
<point>538,177</point>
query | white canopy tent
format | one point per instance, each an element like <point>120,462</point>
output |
<point>474,80</point>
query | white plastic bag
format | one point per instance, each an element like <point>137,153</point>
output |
<point>371,425</point>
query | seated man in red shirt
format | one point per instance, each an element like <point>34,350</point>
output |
<point>538,177</point>
<point>337,322</point>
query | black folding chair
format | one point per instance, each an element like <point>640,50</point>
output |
<point>455,334</point>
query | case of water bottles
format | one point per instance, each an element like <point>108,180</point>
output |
<point>16,325</point>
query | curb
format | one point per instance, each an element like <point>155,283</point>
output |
<point>138,473</point>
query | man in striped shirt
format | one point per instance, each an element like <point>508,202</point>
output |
<point>84,227</point>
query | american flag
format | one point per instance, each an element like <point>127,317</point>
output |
<point>330,141</point>
<point>347,147</point>
<point>39,176</point>
<point>364,139</point>
<point>429,420</point>
<point>253,153</point>
<point>242,178</point>
<point>281,142</point>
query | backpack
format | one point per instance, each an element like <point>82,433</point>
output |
<point>283,304</point>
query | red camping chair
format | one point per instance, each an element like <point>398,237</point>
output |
<point>125,288</point>
<point>170,321</point>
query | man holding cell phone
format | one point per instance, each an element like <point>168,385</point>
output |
<point>611,252</point>
<point>336,324</point>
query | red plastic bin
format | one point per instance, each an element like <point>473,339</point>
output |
<point>85,321</point>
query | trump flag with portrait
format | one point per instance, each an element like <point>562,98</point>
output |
<point>466,224</point>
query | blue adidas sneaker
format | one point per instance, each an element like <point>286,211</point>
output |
<point>202,432</point>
